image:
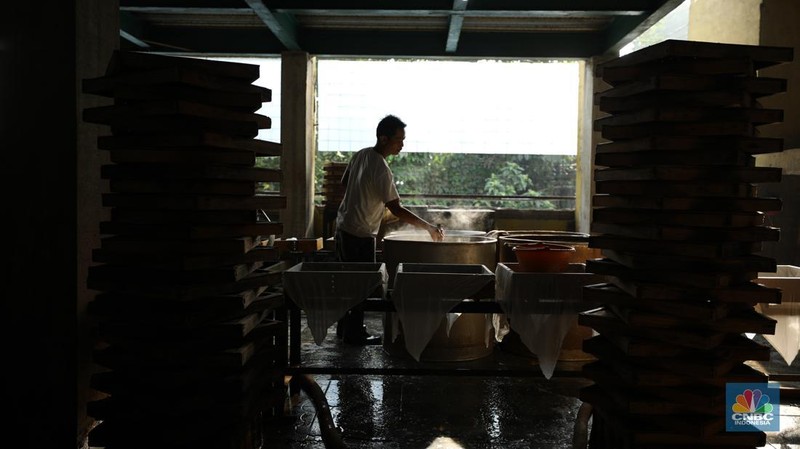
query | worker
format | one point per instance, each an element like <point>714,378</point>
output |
<point>369,190</point>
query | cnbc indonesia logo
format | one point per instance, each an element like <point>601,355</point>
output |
<point>751,409</point>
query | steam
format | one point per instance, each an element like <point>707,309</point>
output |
<point>463,219</point>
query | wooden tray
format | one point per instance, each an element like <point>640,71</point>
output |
<point>747,144</point>
<point>712,219</point>
<point>708,204</point>
<point>190,141</point>
<point>677,173</point>
<point>680,50</point>
<point>689,233</point>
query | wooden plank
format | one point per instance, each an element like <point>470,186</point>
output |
<point>189,217</point>
<point>189,171</point>
<point>703,189</point>
<point>604,321</point>
<point>681,430</point>
<point>677,278</point>
<point>686,218</point>
<point>145,245</point>
<point>711,204</point>
<point>131,61</point>
<point>166,109</point>
<point>167,76</point>
<point>747,144</point>
<point>186,381</point>
<point>708,98</point>
<point>689,233</point>
<point>196,156</point>
<point>228,360</point>
<point>183,314</point>
<point>735,346</point>
<point>639,375</point>
<point>746,292</point>
<point>191,230</point>
<point>700,400</point>
<point>611,295</point>
<point>734,321</point>
<point>694,364</point>
<point>679,83</point>
<point>690,113</point>
<point>721,157</point>
<point>177,261</point>
<point>648,261</point>
<point>185,124</point>
<point>671,50</point>
<point>183,187</point>
<point>689,173</point>
<point>742,66</point>
<point>189,141</point>
<point>166,341</point>
<point>238,101</point>
<point>675,248</point>
<point>131,275</point>
<point>704,129</point>
<point>190,292</point>
<point>193,202</point>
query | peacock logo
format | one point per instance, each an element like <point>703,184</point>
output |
<point>751,409</point>
<point>752,401</point>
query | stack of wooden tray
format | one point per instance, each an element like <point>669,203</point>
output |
<point>679,222</point>
<point>332,185</point>
<point>191,324</point>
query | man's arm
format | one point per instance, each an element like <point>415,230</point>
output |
<point>436,232</point>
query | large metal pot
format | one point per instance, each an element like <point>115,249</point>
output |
<point>458,246</point>
<point>466,340</point>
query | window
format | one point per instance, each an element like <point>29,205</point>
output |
<point>472,107</point>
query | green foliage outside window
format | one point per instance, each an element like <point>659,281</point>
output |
<point>475,174</point>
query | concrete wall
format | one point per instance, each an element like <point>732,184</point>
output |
<point>45,47</point>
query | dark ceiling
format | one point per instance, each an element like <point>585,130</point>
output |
<point>433,28</point>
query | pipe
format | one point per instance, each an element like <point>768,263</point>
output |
<point>331,436</point>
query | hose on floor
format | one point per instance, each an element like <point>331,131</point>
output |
<point>580,436</point>
<point>330,433</point>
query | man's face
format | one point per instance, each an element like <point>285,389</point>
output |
<point>395,143</point>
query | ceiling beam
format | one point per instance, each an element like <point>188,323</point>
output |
<point>446,5</point>
<point>626,29</point>
<point>281,25</point>
<point>454,29</point>
<point>130,29</point>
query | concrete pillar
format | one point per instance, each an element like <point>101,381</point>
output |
<point>584,187</point>
<point>298,136</point>
<point>724,21</point>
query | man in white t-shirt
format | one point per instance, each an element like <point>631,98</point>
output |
<point>369,190</point>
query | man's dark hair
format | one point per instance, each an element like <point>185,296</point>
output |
<point>388,126</point>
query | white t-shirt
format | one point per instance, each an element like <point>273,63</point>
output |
<point>369,187</point>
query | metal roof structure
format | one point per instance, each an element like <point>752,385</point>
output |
<point>389,28</point>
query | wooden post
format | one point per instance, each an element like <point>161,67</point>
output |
<point>298,136</point>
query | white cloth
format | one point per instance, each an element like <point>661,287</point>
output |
<point>786,339</point>
<point>423,294</point>
<point>327,290</point>
<point>370,186</point>
<point>541,307</point>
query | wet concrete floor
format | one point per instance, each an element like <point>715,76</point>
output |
<point>446,408</point>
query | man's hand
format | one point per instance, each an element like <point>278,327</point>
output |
<point>436,232</point>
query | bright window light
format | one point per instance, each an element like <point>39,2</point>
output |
<point>490,107</point>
